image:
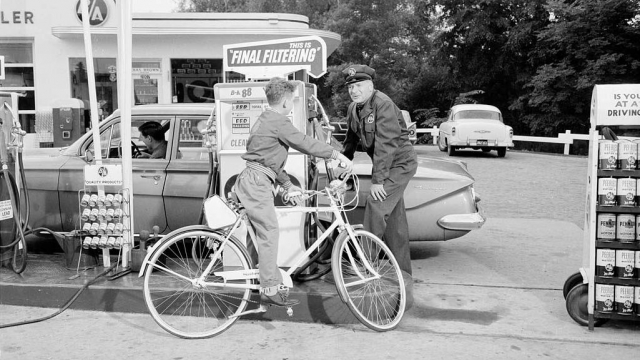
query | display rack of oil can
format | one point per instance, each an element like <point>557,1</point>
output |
<point>608,284</point>
<point>103,220</point>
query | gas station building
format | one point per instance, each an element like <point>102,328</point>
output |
<point>177,57</point>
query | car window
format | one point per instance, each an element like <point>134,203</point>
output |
<point>110,137</point>
<point>107,147</point>
<point>191,143</point>
<point>477,114</point>
<point>142,146</point>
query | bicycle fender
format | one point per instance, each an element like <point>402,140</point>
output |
<point>152,249</point>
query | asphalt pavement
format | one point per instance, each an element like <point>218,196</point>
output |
<point>495,293</point>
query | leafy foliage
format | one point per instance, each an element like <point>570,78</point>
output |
<point>536,60</point>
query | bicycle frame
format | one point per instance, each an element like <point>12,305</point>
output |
<point>339,223</point>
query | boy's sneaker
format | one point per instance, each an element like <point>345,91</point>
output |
<point>280,298</point>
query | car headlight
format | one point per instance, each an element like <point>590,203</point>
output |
<point>453,131</point>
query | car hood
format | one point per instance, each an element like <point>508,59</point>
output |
<point>435,178</point>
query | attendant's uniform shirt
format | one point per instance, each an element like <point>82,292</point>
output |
<point>379,128</point>
<point>269,142</point>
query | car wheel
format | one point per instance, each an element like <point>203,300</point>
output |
<point>442,143</point>
<point>502,152</point>
<point>451,150</point>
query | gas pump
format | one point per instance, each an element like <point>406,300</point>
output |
<point>238,106</point>
<point>13,248</point>
<point>68,121</point>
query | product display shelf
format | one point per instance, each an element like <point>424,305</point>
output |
<point>611,234</point>
<point>109,211</point>
<point>595,316</point>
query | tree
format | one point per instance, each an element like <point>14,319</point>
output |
<point>587,42</point>
<point>481,45</point>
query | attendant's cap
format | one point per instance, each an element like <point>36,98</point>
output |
<point>356,73</point>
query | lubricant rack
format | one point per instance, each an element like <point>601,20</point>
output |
<point>103,219</point>
<point>612,108</point>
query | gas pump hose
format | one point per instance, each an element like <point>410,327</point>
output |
<point>313,184</point>
<point>67,304</point>
<point>20,239</point>
<point>15,205</point>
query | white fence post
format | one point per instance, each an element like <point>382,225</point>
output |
<point>566,145</point>
<point>435,135</point>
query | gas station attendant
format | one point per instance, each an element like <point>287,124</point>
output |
<point>267,151</point>
<point>377,125</point>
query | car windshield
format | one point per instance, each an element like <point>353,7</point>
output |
<point>477,114</point>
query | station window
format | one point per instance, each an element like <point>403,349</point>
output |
<point>106,83</point>
<point>18,57</point>
<point>192,80</point>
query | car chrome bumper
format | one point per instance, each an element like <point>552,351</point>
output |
<point>490,144</point>
<point>464,222</point>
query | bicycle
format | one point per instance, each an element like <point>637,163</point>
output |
<point>198,280</point>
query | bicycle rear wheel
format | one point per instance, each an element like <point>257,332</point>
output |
<point>176,303</point>
<point>378,302</point>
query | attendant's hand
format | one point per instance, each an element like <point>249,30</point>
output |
<point>377,192</point>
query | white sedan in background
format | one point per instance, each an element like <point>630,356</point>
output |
<point>475,126</point>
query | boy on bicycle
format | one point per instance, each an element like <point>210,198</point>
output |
<point>267,151</point>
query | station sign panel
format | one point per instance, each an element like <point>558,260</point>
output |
<point>617,104</point>
<point>265,59</point>
<point>103,175</point>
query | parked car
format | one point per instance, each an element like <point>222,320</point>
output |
<point>475,126</point>
<point>440,200</point>
<point>339,130</point>
<point>411,126</point>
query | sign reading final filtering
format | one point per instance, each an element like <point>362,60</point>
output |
<point>265,59</point>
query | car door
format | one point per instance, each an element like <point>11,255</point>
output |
<point>188,173</point>
<point>148,176</point>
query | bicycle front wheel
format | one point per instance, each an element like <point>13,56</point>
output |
<point>376,298</point>
<point>177,303</point>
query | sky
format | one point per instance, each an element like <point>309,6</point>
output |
<point>162,6</point>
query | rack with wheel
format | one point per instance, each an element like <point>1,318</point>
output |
<point>608,284</point>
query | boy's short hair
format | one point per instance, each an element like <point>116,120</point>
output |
<point>277,88</point>
<point>153,129</point>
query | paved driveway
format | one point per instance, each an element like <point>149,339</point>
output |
<point>526,185</point>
